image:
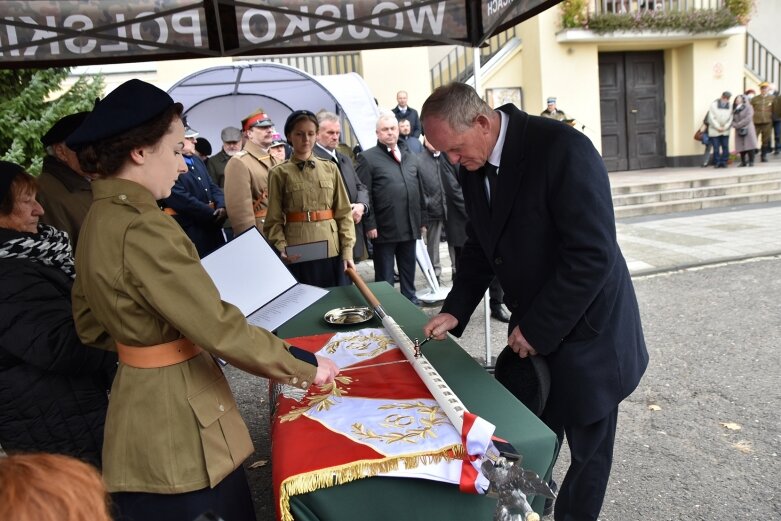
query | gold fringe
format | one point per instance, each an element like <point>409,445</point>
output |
<point>324,478</point>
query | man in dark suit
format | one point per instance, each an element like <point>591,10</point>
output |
<point>326,148</point>
<point>547,231</point>
<point>403,111</point>
<point>196,202</point>
<point>390,173</point>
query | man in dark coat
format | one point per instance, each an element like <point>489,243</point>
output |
<point>390,173</point>
<point>197,204</point>
<point>326,148</point>
<point>541,220</point>
<point>431,163</point>
<point>404,111</point>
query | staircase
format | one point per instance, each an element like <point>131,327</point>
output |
<point>686,190</point>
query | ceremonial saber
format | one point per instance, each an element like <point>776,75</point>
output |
<point>450,403</point>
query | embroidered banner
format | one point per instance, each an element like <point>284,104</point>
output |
<point>377,418</point>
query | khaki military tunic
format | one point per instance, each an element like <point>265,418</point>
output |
<point>139,282</point>
<point>65,197</point>
<point>246,186</point>
<point>763,119</point>
<point>303,186</point>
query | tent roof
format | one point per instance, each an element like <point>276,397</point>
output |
<point>43,33</point>
<point>222,96</point>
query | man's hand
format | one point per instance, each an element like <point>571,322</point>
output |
<point>220,215</point>
<point>439,325</point>
<point>326,370</point>
<point>518,344</point>
<point>371,234</point>
<point>358,209</point>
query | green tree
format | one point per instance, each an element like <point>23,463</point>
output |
<point>28,108</point>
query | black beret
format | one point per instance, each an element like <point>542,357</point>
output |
<point>295,116</point>
<point>202,146</point>
<point>8,171</point>
<point>131,104</point>
<point>63,128</point>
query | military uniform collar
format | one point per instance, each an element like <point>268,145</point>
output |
<point>122,191</point>
<point>256,151</point>
<point>70,179</point>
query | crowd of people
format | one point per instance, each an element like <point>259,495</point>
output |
<point>754,121</point>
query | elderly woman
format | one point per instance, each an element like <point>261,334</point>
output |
<point>175,440</point>
<point>307,203</point>
<point>53,389</point>
<point>745,132</point>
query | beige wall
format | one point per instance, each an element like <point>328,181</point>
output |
<point>387,71</point>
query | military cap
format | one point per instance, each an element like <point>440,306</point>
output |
<point>8,171</point>
<point>133,103</point>
<point>230,135</point>
<point>764,84</point>
<point>190,132</point>
<point>551,100</point>
<point>256,119</point>
<point>277,143</point>
<point>63,128</point>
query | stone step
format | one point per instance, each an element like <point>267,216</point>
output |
<point>697,192</point>
<point>688,205</point>
<point>705,181</point>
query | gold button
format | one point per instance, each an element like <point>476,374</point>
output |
<point>304,384</point>
<point>294,380</point>
<point>122,197</point>
<point>221,408</point>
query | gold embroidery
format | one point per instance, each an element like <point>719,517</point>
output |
<point>320,401</point>
<point>431,417</point>
<point>360,343</point>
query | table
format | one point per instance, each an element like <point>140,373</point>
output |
<point>395,499</point>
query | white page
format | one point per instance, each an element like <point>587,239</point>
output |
<point>249,274</point>
<point>286,306</point>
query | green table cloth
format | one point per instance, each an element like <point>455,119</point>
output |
<point>397,499</point>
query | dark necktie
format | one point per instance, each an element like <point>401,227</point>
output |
<point>491,173</point>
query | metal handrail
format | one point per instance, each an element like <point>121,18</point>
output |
<point>457,65</point>
<point>760,61</point>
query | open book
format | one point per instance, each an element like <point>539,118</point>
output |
<point>250,275</point>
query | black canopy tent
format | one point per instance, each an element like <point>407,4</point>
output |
<point>46,33</point>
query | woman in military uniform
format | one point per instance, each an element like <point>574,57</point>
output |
<point>308,203</point>
<point>174,439</point>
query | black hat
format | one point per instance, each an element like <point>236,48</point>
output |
<point>296,115</point>
<point>63,128</point>
<point>8,171</point>
<point>131,104</point>
<point>203,147</point>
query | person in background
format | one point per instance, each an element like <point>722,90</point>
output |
<point>777,121</point>
<point>543,223</point>
<point>196,203</point>
<point>53,388</point>
<point>707,158</point>
<point>763,118</point>
<point>745,134</point>
<point>174,439</point>
<point>64,191</point>
<point>308,203</point>
<point>404,111</point>
<point>231,145</point>
<point>431,164</point>
<point>719,124</point>
<point>413,143</point>
<point>51,487</point>
<point>552,112</point>
<point>390,174</point>
<point>277,150</point>
<point>203,149</point>
<point>327,147</point>
<point>246,175</point>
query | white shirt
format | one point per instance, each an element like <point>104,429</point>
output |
<point>496,154</point>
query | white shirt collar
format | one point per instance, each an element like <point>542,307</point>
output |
<point>496,155</point>
<point>331,153</point>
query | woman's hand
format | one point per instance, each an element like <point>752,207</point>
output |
<point>326,370</point>
<point>289,260</point>
<point>348,264</point>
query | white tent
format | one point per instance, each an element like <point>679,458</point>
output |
<point>222,96</point>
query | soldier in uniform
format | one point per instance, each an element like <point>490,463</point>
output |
<point>246,175</point>
<point>64,191</point>
<point>308,202</point>
<point>763,117</point>
<point>552,112</point>
<point>174,439</point>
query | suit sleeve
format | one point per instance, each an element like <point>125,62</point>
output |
<point>238,195</point>
<point>217,195</point>
<point>365,176</point>
<point>185,203</point>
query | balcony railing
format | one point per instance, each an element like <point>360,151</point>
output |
<point>639,6</point>
<point>760,61</point>
<point>317,64</point>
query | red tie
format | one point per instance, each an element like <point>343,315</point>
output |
<point>396,155</point>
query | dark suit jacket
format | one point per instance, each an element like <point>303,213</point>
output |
<point>551,240</point>
<point>357,192</point>
<point>190,197</point>
<point>455,222</point>
<point>414,120</point>
<point>395,193</point>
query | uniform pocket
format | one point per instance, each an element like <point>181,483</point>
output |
<point>294,195</point>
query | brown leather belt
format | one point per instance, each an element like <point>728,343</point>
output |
<point>172,212</point>
<point>160,355</point>
<point>314,215</point>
